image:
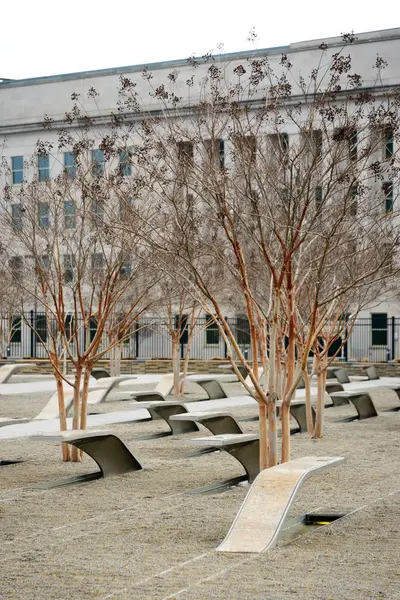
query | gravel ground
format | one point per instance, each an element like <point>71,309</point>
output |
<point>142,536</point>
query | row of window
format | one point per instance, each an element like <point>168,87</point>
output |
<point>97,265</point>
<point>43,165</point>
<point>69,214</point>
<point>186,154</point>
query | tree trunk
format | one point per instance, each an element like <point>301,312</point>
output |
<point>309,415</point>
<point>320,408</point>
<point>176,365</point>
<point>263,430</point>
<point>85,390</point>
<point>272,435</point>
<point>63,416</point>
<point>285,418</point>
<point>75,454</point>
<point>118,356</point>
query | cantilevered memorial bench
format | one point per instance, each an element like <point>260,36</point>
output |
<point>106,449</point>
<point>361,401</point>
<point>217,422</point>
<point>261,517</point>
<point>7,371</point>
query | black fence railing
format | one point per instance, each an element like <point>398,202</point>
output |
<point>376,339</point>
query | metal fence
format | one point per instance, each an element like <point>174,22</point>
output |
<point>376,339</point>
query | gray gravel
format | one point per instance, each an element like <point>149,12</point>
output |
<point>141,536</point>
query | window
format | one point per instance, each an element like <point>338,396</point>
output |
<point>41,328</point>
<point>43,215</point>
<point>242,331</point>
<point>17,216</point>
<point>124,208</point>
<point>388,191</point>
<point>126,270</point>
<point>184,328</point>
<point>379,329</point>
<point>353,145</point>
<point>17,165</point>
<point>216,152</point>
<point>353,201</point>
<point>92,328</point>
<point>16,266</point>
<point>97,162</point>
<point>69,326</point>
<point>212,331</point>
<point>16,334</point>
<point>388,142</point>
<point>97,262</point>
<point>97,210</point>
<point>185,153</point>
<point>316,136</point>
<point>44,262</point>
<point>69,265</point>
<point>43,167</point>
<point>318,195</point>
<point>125,164</point>
<point>69,215</point>
<point>69,164</point>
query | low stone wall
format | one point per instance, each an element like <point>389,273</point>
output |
<point>390,369</point>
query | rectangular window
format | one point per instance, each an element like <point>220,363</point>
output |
<point>185,153</point>
<point>97,162</point>
<point>184,328</point>
<point>97,262</point>
<point>69,164</point>
<point>353,201</point>
<point>44,262</point>
<point>125,165</point>
<point>242,331</point>
<point>389,143</point>
<point>17,216</point>
<point>124,208</point>
<point>43,167</point>
<point>92,328</point>
<point>318,195</point>
<point>216,152</point>
<point>317,142</point>
<point>68,268</point>
<point>16,266</point>
<point>126,270</point>
<point>97,210</point>
<point>388,191</point>
<point>43,215</point>
<point>379,329</point>
<point>353,145</point>
<point>41,328</point>
<point>16,333</point>
<point>17,165</point>
<point>69,214</point>
<point>212,331</point>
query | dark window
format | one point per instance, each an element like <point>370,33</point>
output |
<point>92,328</point>
<point>125,164</point>
<point>17,216</point>
<point>16,266</point>
<point>44,215</point>
<point>184,328</point>
<point>353,145</point>
<point>69,164</point>
<point>124,208</point>
<point>317,142</point>
<point>16,331</point>
<point>97,262</point>
<point>17,165</point>
<point>242,330</point>
<point>69,214</point>
<point>388,191</point>
<point>44,262</point>
<point>43,167</point>
<point>388,142</point>
<point>353,201</point>
<point>41,328</point>
<point>221,144</point>
<point>97,210</point>
<point>379,327</point>
<point>69,326</point>
<point>318,195</point>
<point>97,162</point>
<point>126,270</point>
<point>212,331</point>
<point>68,268</point>
<point>185,153</point>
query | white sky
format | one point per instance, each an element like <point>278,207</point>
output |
<point>52,36</point>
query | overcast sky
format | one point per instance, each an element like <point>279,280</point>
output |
<point>51,37</point>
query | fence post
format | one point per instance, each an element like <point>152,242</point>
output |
<point>225,346</point>
<point>136,339</point>
<point>393,338</point>
<point>345,348</point>
<point>33,337</point>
